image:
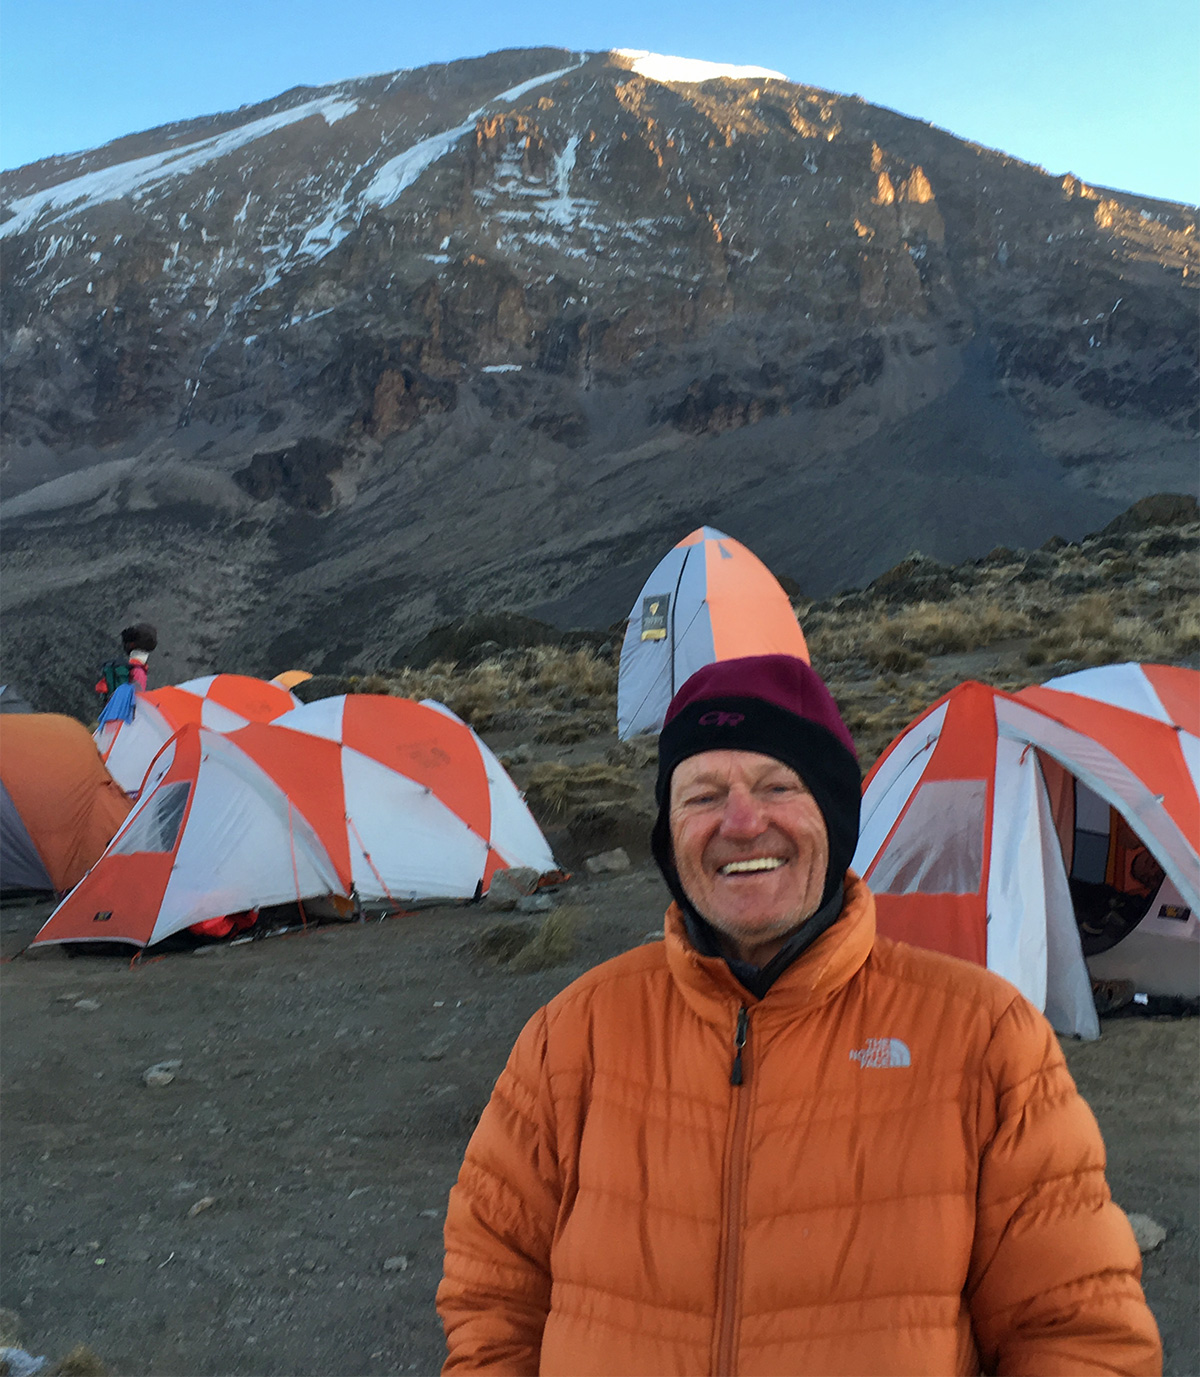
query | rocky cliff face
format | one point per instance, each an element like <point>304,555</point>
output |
<point>298,380</point>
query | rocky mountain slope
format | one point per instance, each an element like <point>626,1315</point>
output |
<point>301,380</point>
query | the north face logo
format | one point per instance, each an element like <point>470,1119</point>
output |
<point>882,1052</point>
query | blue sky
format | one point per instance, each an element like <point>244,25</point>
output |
<point>1106,89</point>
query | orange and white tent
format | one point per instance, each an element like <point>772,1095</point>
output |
<point>708,599</point>
<point>377,797</point>
<point>222,702</point>
<point>426,809</point>
<point>59,808</point>
<point>994,817</point>
<point>211,834</point>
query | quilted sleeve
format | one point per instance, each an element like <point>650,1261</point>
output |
<point>495,1290</point>
<point>1055,1278</point>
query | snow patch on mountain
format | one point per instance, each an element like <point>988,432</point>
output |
<point>400,172</point>
<point>138,175</point>
<point>659,67</point>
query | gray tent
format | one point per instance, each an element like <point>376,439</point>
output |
<point>11,700</point>
<point>20,865</point>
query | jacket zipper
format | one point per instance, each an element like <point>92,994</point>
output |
<point>731,1240</point>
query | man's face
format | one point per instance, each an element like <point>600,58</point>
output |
<point>750,845</point>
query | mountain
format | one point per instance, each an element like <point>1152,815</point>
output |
<point>301,380</point>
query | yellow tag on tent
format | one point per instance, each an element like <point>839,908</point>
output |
<point>654,617</point>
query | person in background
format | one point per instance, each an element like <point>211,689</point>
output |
<point>776,1142</point>
<point>121,680</point>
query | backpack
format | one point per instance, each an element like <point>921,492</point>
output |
<point>112,673</point>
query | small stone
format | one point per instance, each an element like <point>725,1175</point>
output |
<point>436,1048</point>
<point>399,1263</point>
<point>508,886</point>
<point>205,1203</point>
<point>18,1363</point>
<point>161,1073</point>
<point>535,903</point>
<point>87,1006</point>
<point>69,998</point>
<point>1149,1233</point>
<point>608,862</point>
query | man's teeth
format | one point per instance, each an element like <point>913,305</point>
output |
<point>745,867</point>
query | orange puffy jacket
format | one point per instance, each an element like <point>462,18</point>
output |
<point>904,1181</point>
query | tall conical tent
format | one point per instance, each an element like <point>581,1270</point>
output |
<point>222,702</point>
<point>1045,833</point>
<point>708,599</point>
<point>59,808</point>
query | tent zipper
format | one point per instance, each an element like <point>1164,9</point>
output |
<point>731,1239</point>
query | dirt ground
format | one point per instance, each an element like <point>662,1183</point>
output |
<point>328,1082</point>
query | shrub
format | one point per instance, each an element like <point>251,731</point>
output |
<point>554,789</point>
<point>553,944</point>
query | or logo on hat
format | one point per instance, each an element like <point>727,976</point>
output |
<point>722,719</point>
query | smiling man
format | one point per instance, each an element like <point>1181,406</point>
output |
<point>775,1142</point>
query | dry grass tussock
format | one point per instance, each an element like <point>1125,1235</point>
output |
<point>553,944</point>
<point>1104,628</point>
<point>520,947</point>
<point>79,1362</point>
<point>901,639</point>
<point>540,677</point>
<point>552,790</point>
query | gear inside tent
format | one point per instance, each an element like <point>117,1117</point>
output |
<point>221,702</point>
<point>212,834</point>
<point>1134,921</point>
<point>987,820</point>
<point>708,599</point>
<point>59,808</point>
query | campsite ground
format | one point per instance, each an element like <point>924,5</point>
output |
<point>276,1208</point>
<point>327,1086</point>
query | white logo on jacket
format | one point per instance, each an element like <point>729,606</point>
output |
<point>882,1052</point>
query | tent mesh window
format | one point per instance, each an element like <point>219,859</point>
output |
<point>1092,827</point>
<point>156,827</point>
<point>938,846</point>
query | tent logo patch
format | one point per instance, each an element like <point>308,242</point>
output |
<point>1176,911</point>
<point>654,617</point>
<point>882,1052</point>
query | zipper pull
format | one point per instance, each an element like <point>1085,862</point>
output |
<point>739,1041</point>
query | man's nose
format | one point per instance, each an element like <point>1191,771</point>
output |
<point>743,815</point>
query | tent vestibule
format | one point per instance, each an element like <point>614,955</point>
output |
<point>1041,834</point>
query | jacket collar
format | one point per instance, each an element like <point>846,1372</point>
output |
<point>712,990</point>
